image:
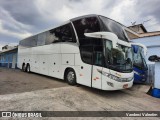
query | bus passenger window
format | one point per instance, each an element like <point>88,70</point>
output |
<point>65,33</point>
<point>86,25</point>
<point>41,39</point>
<point>61,34</point>
<point>86,54</point>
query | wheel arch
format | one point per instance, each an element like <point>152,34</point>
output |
<point>66,70</point>
<point>28,64</point>
<point>23,64</point>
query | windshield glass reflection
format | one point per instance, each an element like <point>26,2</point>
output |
<point>119,59</point>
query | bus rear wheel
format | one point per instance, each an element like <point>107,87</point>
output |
<point>23,68</point>
<point>28,68</point>
<point>70,77</point>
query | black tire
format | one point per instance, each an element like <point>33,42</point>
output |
<point>28,68</point>
<point>70,77</point>
<point>23,68</point>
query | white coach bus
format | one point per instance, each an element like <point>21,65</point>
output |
<point>91,50</point>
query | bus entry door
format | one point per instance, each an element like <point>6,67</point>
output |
<point>97,70</point>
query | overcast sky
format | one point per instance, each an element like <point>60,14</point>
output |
<point>22,18</point>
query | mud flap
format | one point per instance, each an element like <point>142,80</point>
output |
<point>150,91</point>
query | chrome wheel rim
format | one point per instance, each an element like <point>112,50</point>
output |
<point>70,76</point>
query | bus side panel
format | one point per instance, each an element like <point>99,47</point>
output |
<point>68,51</point>
<point>34,63</point>
<point>42,63</point>
<point>68,59</point>
<point>54,65</point>
<point>71,53</point>
<point>83,71</point>
<point>68,47</point>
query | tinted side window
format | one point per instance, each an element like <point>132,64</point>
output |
<point>112,26</point>
<point>41,39</point>
<point>29,42</point>
<point>86,53</point>
<point>51,37</point>
<point>64,33</point>
<point>92,52</point>
<point>86,25</point>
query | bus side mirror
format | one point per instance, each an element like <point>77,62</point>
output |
<point>154,58</point>
<point>128,61</point>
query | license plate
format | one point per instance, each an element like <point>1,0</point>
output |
<point>125,86</point>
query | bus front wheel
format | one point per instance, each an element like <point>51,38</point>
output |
<point>70,77</point>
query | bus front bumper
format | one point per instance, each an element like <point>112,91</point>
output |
<point>114,85</point>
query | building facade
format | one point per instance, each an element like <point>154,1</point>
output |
<point>8,58</point>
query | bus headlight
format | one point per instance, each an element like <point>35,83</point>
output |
<point>126,79</point>
<point>113,77</point>
<point>118,79</point>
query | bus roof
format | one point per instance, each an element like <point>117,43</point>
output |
<point>93,15</point>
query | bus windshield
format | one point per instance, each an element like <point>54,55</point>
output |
<point>119,59</point>
<point>139,59</point>
<point>114,27</point>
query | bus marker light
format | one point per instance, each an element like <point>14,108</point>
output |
<point>80,75</point>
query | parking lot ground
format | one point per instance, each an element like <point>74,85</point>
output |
<point>16,81</point>
<point>56,95</point>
